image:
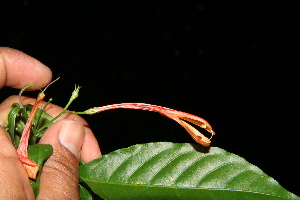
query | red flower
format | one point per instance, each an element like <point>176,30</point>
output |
<point>178,116</point>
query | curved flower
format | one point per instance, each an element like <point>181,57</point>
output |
<point>22,151</point>
<point>30,166</point>
<point>178,116</point>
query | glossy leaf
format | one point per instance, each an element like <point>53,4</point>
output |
<point>178,171</point>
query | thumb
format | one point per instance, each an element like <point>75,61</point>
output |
<point>60,177</point>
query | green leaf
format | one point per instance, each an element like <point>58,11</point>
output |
<point>84,193</point>
<point>178,171</point>
<point>10,121</point>
<point>38,153</point>
<point>17,119</point>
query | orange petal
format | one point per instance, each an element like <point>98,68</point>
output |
<point>179,117</point>
<point>31,167</point>
<point>194,133</point>
<point>31,171</point>
<point>203,124</point>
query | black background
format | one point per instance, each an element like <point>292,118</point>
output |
<point>233,64</point>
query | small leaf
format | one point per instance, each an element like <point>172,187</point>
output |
<point>38,153</point>
<point>178,171</point>
<point>84,193</point>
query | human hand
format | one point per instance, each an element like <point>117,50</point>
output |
<point>70,137</point>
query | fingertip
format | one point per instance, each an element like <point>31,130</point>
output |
<point>90,148</point>
<point>71,136</point>
<point>18,69</point>
<point>67,133</point>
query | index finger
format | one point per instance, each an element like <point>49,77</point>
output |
<point>18,69</point>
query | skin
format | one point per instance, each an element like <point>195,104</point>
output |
<point>70,137</point>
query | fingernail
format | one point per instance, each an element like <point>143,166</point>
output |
<point>71,136</point>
